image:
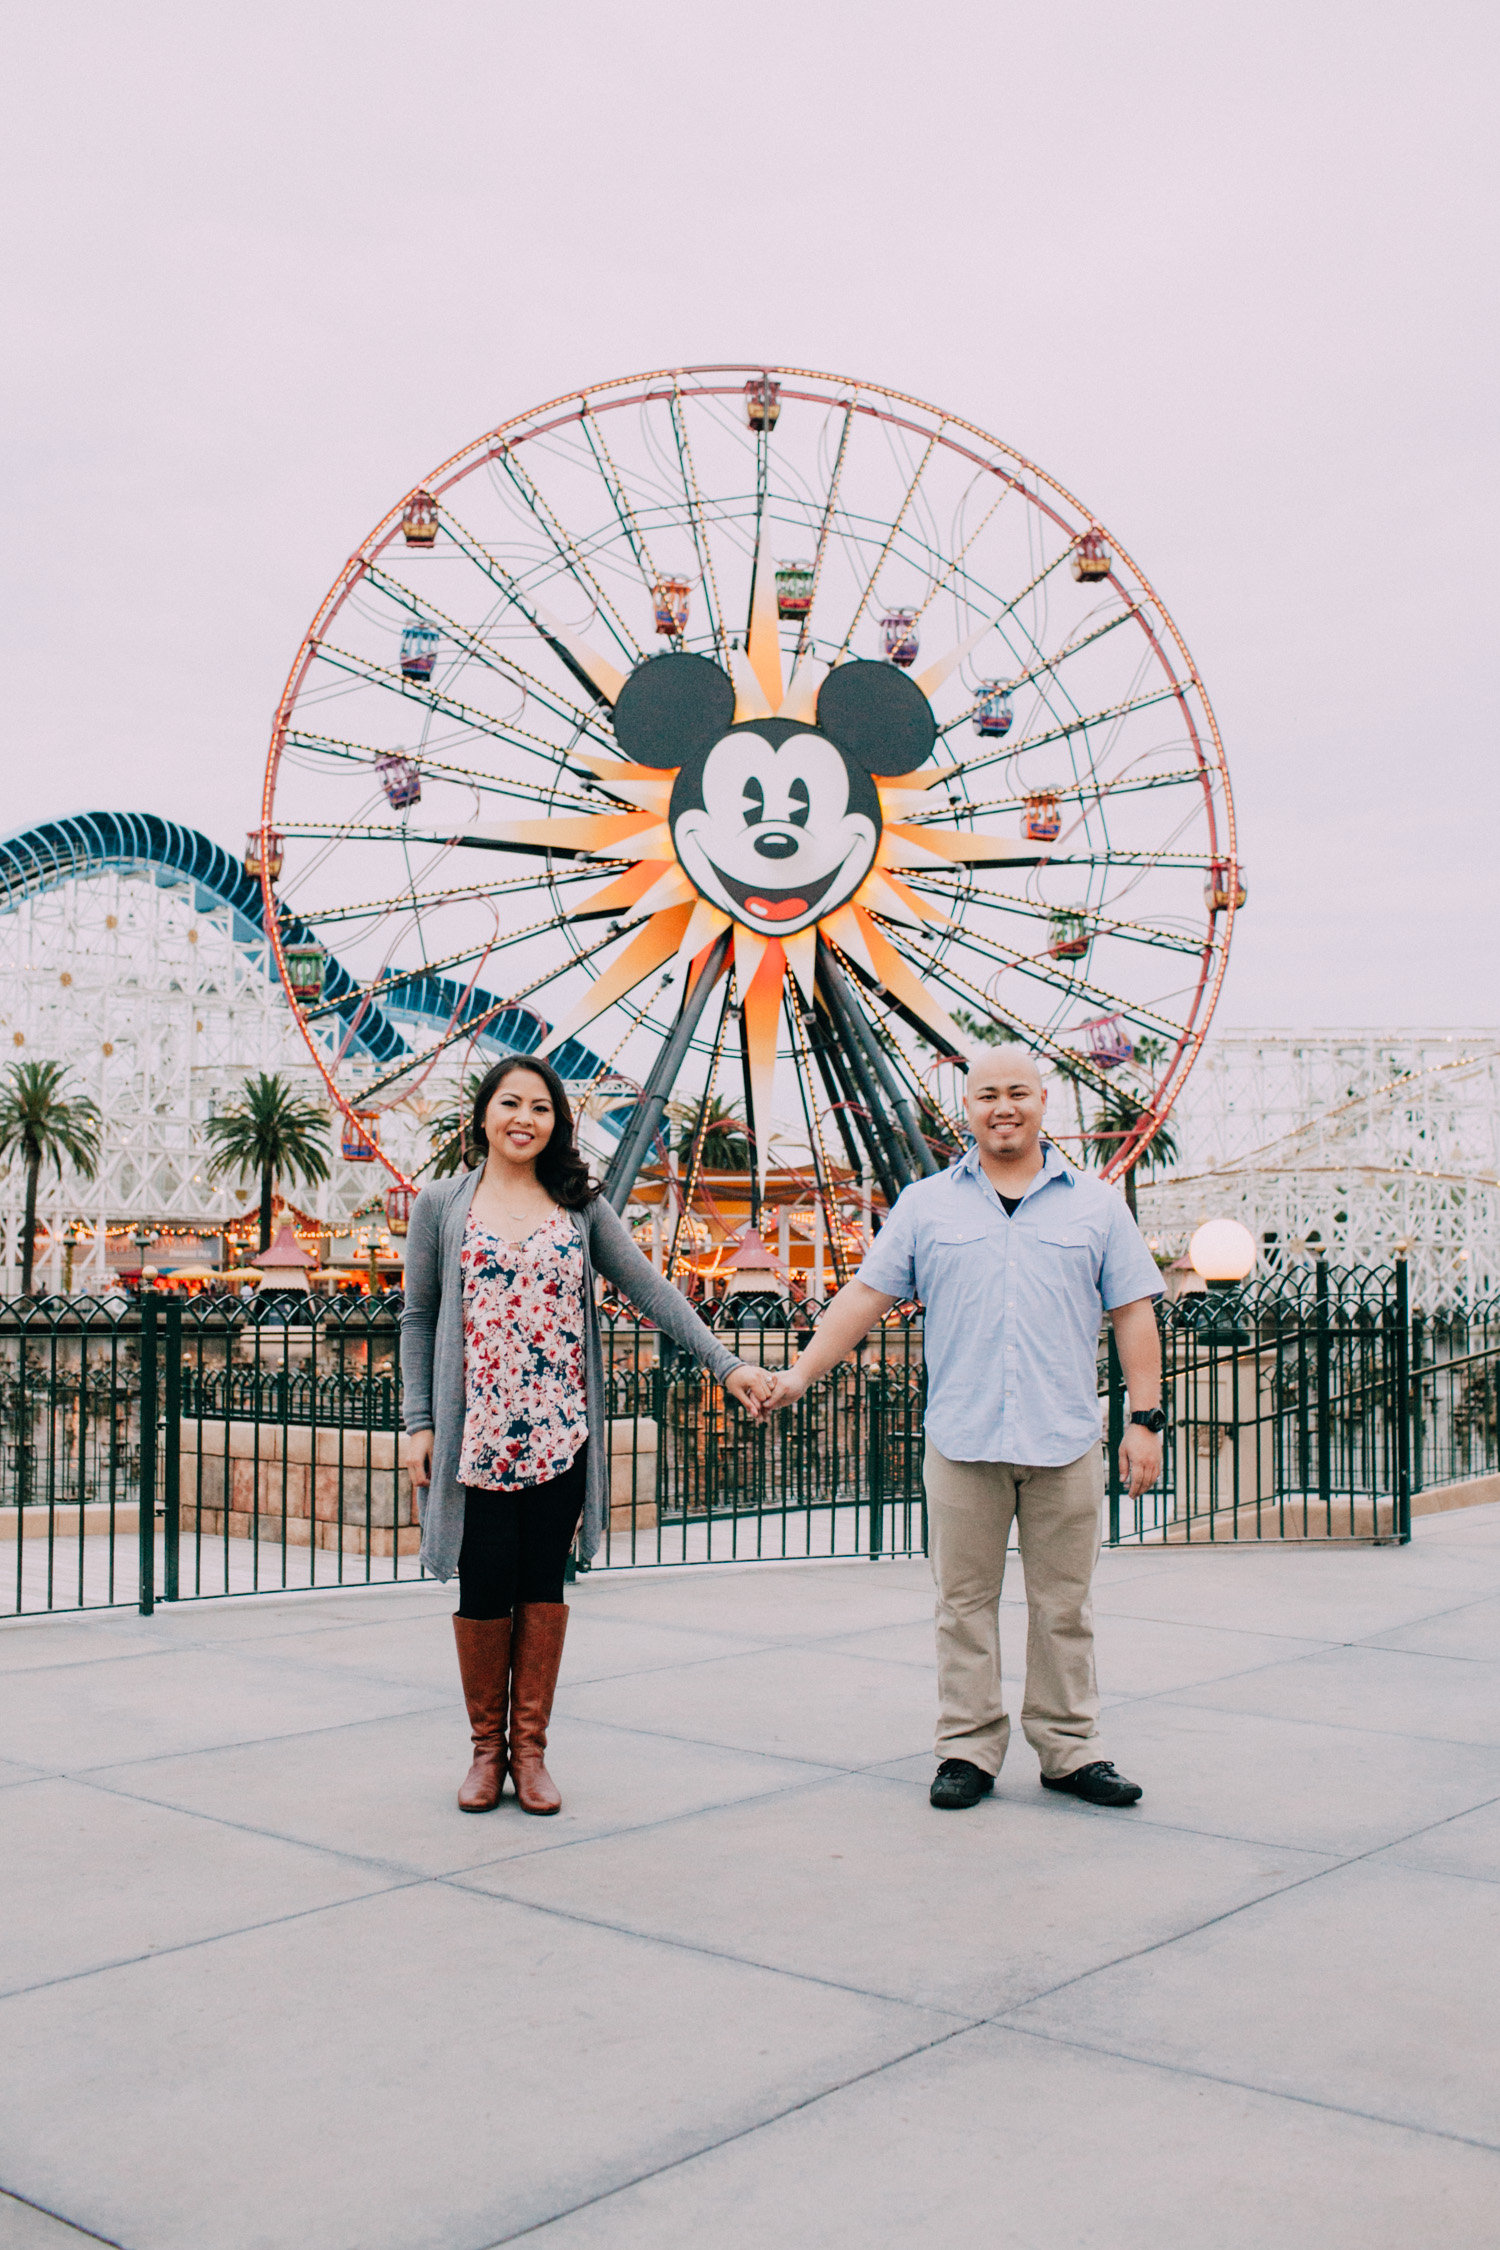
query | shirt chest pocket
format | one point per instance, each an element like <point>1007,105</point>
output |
<point>958,1253</point>
<point>1066,1253</point>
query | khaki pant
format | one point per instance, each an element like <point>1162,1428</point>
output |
<point>970,1508</point>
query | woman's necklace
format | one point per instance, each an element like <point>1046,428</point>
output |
<point>524,1218</point>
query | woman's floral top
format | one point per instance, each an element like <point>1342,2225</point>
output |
<point>526,1411</point>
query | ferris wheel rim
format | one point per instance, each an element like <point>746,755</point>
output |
<point>619,391</point>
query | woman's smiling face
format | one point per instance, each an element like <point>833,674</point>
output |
<point>768,831</point>
<point>519,1120</point>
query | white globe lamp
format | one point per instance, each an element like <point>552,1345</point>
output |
<point>1223,1252</point>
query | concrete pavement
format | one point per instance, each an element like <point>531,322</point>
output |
<point>262,1985</point>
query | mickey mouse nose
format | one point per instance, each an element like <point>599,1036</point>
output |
<point>775,843</point>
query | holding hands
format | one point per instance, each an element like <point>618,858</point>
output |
<point>787,1386</point>
<point>848,1320</point>
<point>751,1387</point>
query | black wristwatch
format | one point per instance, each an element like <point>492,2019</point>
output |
<point>1153,1420</point>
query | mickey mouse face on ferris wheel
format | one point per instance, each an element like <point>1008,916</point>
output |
<point>775,821</point>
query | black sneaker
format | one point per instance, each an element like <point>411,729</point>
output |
<point>1097,1784</point>
<point>956,1785</point>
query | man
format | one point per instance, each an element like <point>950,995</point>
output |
<point>1013,1256</point>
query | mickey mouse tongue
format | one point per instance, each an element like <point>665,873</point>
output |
<point>776,906</point>
<point>776,910</point>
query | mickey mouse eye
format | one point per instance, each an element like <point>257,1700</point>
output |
<point>800,803</point>
<point>755,802</point>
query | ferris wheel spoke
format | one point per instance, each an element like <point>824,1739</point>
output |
<point>391,980</point>
<point>362,669</point>
<point>907,498</point>
<point>821,549</point>
<point>521,599</point>
<point>1080,987</point>
<point>475,1026</point>
<point>568,555</point>
<point>434,769</point>
<point>493,659</point>
<point>1062,732</point>
<point>1039,1035</point>
<point>697,523</point>
<point>1012,902</point>
<point>414,901</point>
<point>954,570</point>
<point>615,487</point>
<point>1081,793</point>
<point>1048,668</point>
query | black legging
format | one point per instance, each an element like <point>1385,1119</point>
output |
<point>515,1544</point>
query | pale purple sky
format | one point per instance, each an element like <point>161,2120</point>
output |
<point>1226,272</point>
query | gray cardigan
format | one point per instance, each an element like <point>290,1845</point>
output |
<point>432,1350</point>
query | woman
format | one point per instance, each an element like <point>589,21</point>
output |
<point>503,1374</point>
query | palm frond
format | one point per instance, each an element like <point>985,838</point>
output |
<point>41,1124</point>
<point>271,1128</point>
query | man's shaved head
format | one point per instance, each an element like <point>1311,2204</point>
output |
<point>1000,1064</point>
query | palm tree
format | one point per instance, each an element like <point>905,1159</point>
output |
<point>1116,1117</point>
<point>42,1125</point>
<point>726,1143</point>
<point>449,1131</point>
<point>272,1131</point>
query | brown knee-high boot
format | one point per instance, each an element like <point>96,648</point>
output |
<point>536,1654</point>
<point>484,1668</point>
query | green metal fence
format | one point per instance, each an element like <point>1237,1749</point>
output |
<point>266,1437</point>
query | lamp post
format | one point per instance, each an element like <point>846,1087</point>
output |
<point>73,1234</point>
<point>142,1237</point>
<point>1222,1253</point>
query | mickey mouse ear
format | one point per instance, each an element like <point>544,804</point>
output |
<point>877,714</point>
<point>672,706</point>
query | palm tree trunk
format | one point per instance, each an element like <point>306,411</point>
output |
<point>1130,1193</point>
<point>28,1224</point>
<point>265,1208</point>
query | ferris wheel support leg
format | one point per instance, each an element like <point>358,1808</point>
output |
<point>837,1092</point>
<point>895,1094</point>
<point>844,1011</point>
<point>863,1106</point>
<point>651,1108</point>
<point>873,1164</point>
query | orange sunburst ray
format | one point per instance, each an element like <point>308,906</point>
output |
<point>625,889</point>
<point>648,950</point>
<point>761,1002</point>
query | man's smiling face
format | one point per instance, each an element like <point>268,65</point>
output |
<point>778,828</point>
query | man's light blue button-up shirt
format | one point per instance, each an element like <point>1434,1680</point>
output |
<point>1012,1304</point>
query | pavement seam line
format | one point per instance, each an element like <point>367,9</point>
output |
<point>715,1953</point>
<point>1337,1866</point>
<point>390,1867</point>
<point>741,2133</point>
<point>211,1937</point>
<point>73,2226</point>
<point>1250,2086</point>
<point>548,1844</point>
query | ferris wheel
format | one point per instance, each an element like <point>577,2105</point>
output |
<point>746,727</point>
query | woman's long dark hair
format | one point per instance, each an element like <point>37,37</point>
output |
<point>560,1168</point>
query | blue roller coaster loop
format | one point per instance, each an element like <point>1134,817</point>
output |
<point>59,851</point>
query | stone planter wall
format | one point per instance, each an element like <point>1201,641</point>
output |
<point>345,1489</point>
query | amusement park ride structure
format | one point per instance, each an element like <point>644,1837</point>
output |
<point>760,721</point>
<point>1349,1143</point>
<point>131,950</point>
